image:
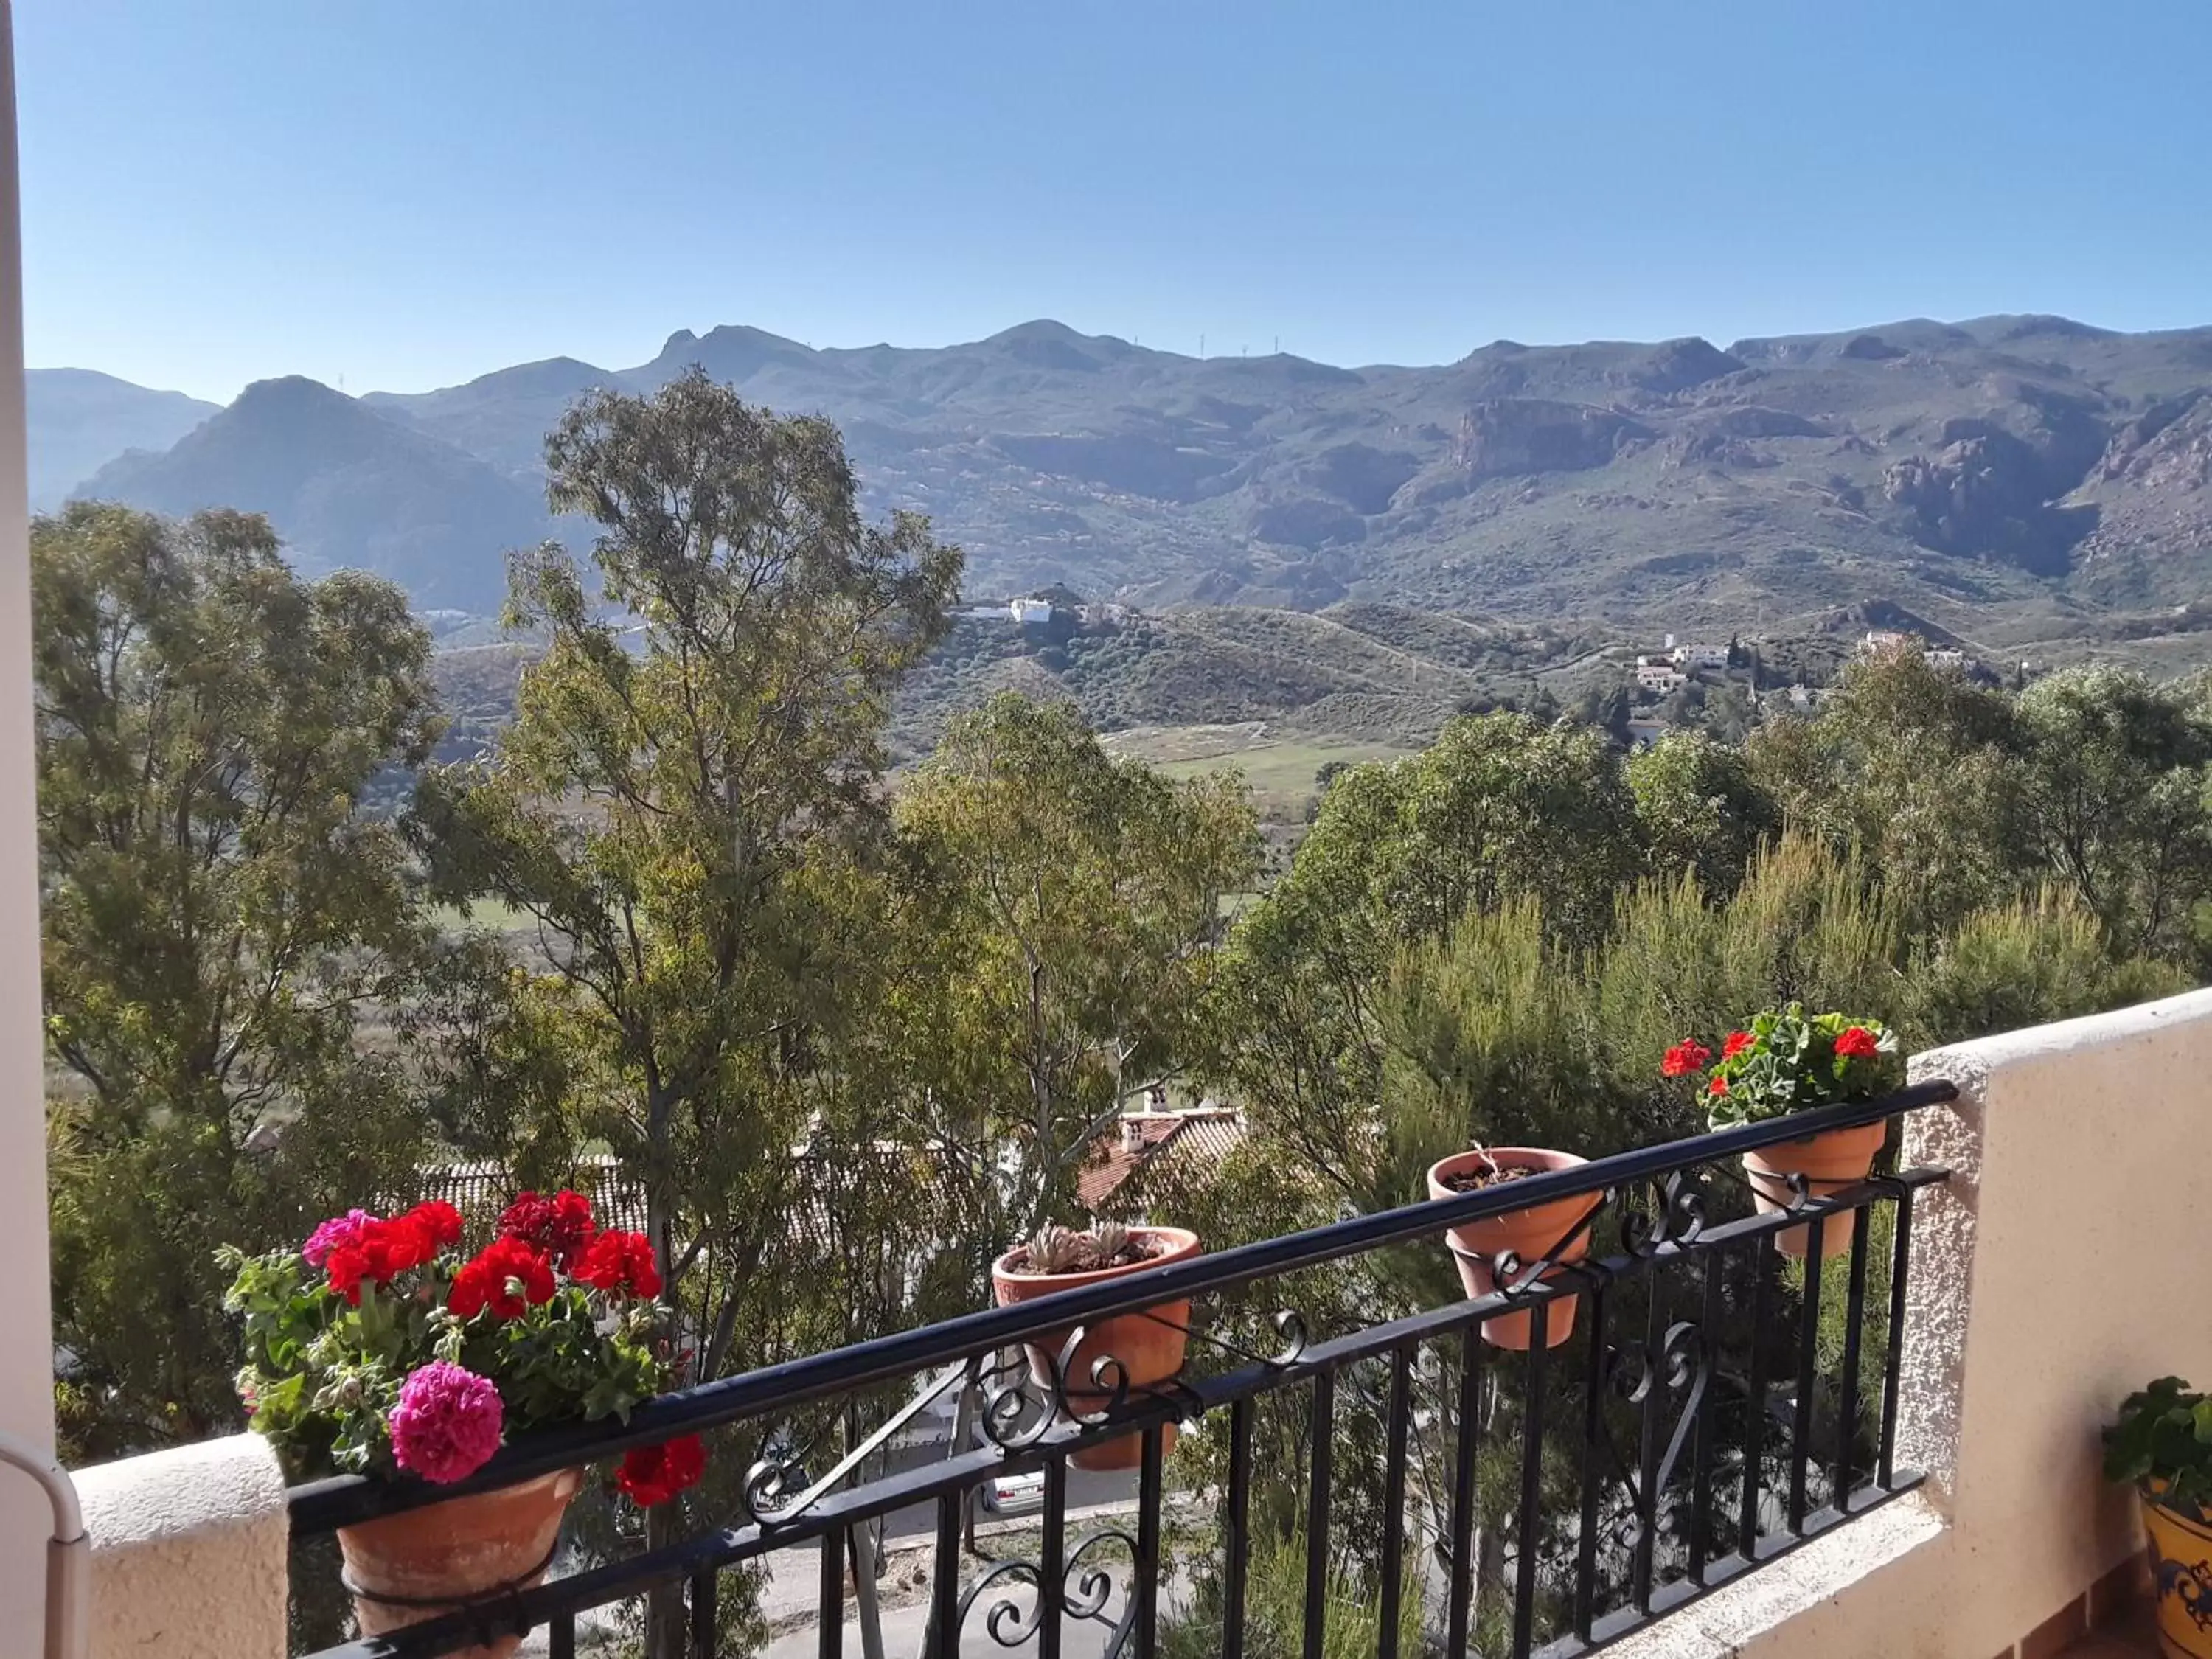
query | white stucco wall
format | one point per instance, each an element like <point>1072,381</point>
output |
<point>26,1378</point>
<point>2064,1265</point>
<point>188,1553</point>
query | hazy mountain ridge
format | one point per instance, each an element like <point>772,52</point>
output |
<point>1994,466</point>
<point>80,419</point>
<point>345,486</point>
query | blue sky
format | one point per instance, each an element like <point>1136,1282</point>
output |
<point>409,193</point>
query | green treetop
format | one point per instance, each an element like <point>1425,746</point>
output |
<point>219,919</point>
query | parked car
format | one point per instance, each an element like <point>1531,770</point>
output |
<point>1015,1494</point>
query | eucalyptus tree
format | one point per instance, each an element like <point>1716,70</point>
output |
<point>2115,798</point>
<point>1074,904</point>
<point>692,773</point>
<point>690,789</point>
<point>225,929</point>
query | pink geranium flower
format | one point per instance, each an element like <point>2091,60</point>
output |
<point>334,1234</point>
<point>447,1421</point>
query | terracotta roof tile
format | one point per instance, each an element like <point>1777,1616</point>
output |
<point>1117,1171</point>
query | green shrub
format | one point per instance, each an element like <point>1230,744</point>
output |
<point>2042,959</point>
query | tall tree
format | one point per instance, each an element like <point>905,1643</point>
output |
<point>698,747</point>
<point>220,920</point>
<point>1920,767</point>
<point>1501,807</point>
<point>1078,900</point>
<point>1501,810</point>
<point>1699,808</point>
<point>2116,777</point>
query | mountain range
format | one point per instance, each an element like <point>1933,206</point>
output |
<point>79,419</point>
<point>2028,470</point>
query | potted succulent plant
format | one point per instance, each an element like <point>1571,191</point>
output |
<point>1789,1061</point>
<point>1146,1345</point>
<point>1553,1230</point>
<point>2160,1444</point>
<point>380,1349</point>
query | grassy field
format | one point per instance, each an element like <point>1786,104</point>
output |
<point>487,915</point>
<point>1278,768</point>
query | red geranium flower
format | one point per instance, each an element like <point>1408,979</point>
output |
<point>440,1220</point>
<point>1717,1086</point>
<point>377,1252</point>
<point>654,1475</point>
<point>621,1261</point>
<point>1858,1043</point>
<point>559,1226</point>
<point>489,1281</point>
<point>1736,1044</point>
<point>1685,1057</point>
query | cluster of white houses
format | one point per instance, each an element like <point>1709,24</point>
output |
<point>1666,671</point>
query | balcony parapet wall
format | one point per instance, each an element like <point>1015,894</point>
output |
<point>188,1553</point>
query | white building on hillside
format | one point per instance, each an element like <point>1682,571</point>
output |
<point>1027,612</point>
<point>1658,676</point>
<point>1701,656</point>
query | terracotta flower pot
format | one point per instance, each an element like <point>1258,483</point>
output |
<point>2178,1545</point>
<point>1149,1344</point>
<point>406,1568</point>
<point>1829,1162</point>
<point>1529,1234</point>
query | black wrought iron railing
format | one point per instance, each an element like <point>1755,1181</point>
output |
<point>1360,1459</point>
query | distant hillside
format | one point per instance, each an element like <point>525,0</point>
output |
<point>345,487</point>
<point>2014,473</point>
<point>1356,675</point>
<point>501,418</point>
<point>81,420</point>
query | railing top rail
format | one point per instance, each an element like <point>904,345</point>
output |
<point>320,1505</point>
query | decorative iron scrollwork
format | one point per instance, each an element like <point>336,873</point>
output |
<point>1516,1275</point>
<point>1015,1413</point>
<point>1023,1401</point>
<point>776,1489</point>
<point>1681,1365</point>
<point>1676,1216</point>
<point>1087,1585</point>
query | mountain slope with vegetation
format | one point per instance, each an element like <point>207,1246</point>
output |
<point>2015,473</point>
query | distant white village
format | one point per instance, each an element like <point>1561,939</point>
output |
<point>1661,674</point>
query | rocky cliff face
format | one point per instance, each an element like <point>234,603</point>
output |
<point>1506,436</point>
<point>2153,490</point>
<point>1988,493</point>
<point>2169,448</point>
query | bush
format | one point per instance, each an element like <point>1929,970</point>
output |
<point>2042,959</point>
